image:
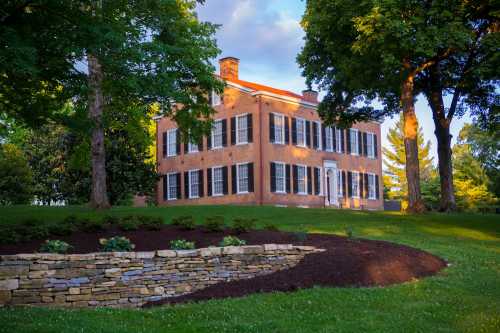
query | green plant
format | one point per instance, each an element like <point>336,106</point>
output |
<point>181,244</point>
<point>214,223</point>
<point>55,246</point>
<point>349,232</point>
<point>300,236</point>
<point>89,225</point>
<point>9,235</point>
<point>241,225</point>
<point>129,223</point>
<point>271,227</point>
<point>151,222</point>
<point>185,222</point>
<point>232,241</point>
<point>117,243</point>
<point>110,220</point>
<point>32,228</point>
<point>61,229</point>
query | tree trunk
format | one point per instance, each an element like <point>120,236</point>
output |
<point>415,204</point>
<point>99,195</point>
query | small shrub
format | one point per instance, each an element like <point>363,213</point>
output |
<point>116,244</point>
<point>151,222</point>
<point>71,220</point>
<point>241,225</point>
<point>214,223</point>
<point>300,236</point>
<point>9,235</point>
<point>181,244</point>
<point>32,229</point>
<point>129,223</point>
<point>110,220</point>
<point>89,225</point>
<point>232,241</point>
<point>55,246</point>
<point>61,229</point>
<point>270,227</point>
<point>349,232</point>
<point>185,222</point>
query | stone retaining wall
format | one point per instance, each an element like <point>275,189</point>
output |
<point>129,279</point>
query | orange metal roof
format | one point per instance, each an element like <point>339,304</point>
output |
<point>257,87</point>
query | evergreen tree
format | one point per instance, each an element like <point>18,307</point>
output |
<point>395,161</point>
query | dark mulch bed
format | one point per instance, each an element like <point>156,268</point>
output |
<point>346,262</point>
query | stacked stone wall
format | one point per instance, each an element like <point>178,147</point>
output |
<point>130,279</point>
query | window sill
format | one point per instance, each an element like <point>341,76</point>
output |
<point>171,155</point>
<point>242,193</point>
<point>301,193</point>
<point>197,197</point>
<point>218,195</point>
<point>279,192</point>
<point>241,143</point>
<point>171,199</point>
<point>216,148</point>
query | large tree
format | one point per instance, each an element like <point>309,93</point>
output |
<point>361,50</point>
<point>395,161</point>
<point>102,55</point>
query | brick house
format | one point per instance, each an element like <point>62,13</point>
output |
<point>268,146</point>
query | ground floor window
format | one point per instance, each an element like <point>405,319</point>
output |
<point>301,179</point>
<point>242,176</point>
<point>340,192</point>
<point>217,181</point>
<point>355,184</point>
<point>172,186</point>
<point>194,184</point>
<point>372,193</point>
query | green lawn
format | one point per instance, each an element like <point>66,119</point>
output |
<point>463,298</point>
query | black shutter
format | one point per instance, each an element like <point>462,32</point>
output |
<point>295,180</point>
<point>349,184</point>
<point>323,136</point>
<point>250,128</point>
<point>344,184</point>
<point>376,187</point>
<point>165,187</point>
<point>200,184</point>
<point>309,180</point>
<point>271,128</point>
<point>366,185</point>
<point>317,181</point>
<point>334,138</point>
<point>233,130</point>
<point>361,185</point>
<point>273,177</point>
<point>234,180</point>
<point>165,144</point>
<point>179,194</point>
<point>250,178</point>
<point>186,184</point>
<point>224,178</point>
<point>178,142</point>
<point>375,147</point>
<point>287,131</point>
<point>308,133</point>
<point>315,135</point>
<point>360,143</point>
<point>224,132</point>
<point>365,144</point>
<point>348,137</point>
<point>342,140</point>
<point>287,178</point>
<point>294,131</point>
<point>209,182</point>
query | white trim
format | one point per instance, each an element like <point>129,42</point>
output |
<point>238,128</point>
<point>319,127</point>
<point>238,178</point>
<point>189,183</point>
<point>168,186</point>
<point>213,181</point>
<point>284,177</point>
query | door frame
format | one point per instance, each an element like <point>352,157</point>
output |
<point>332,199</point>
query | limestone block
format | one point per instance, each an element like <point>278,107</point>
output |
<point>187,253</point>
<point>232,250</point>
<point>13,271</point>
<point>74,291</point>
<point>145,255</point>
<point>5,296</point>
<point>9,284</point>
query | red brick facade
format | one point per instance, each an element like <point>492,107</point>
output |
<point>272,149</point>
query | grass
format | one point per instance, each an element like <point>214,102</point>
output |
<point>463,298</point>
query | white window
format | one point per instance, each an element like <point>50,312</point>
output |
<point>172,186</point>
<point>216,99</point>
<point>340,191</point>
<point>172,142</point>
<point>301,132</point>
<point>194,184</point>
<point>329,138</point>
<point>372,193</point>
<point>242,129</point>
<point>217,181</point>
<point>192,147</point>
<point>318,135</point>
<point>242,178</point>
<point>338,139</point>
<point>355,184</point>
<point>280,177</point>
<point>217,134</point>
<point>279,128</point>
<point>354,141</point>
<point>370,146</point>
<point>301,179</point>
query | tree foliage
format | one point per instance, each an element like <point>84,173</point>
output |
<point>15,176</point>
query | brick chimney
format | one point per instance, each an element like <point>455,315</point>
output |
<point>229,68</point>
<point>310,96</point>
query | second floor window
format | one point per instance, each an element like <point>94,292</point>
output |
<point>301,132</point>
<point>242,175</point>
<point>279,128</point>
<point>217,134</point>
<point>241,129</point>
<point>217,181</point>
<point>354,141</point>
<point>328,139</point>
<point>338,140</point>
<point>370,146</point>
<point>172,142</point>
<point>215,99</point>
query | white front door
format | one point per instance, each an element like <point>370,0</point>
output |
<point>330,187</point>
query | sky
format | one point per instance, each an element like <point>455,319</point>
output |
<point>266,36</point>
